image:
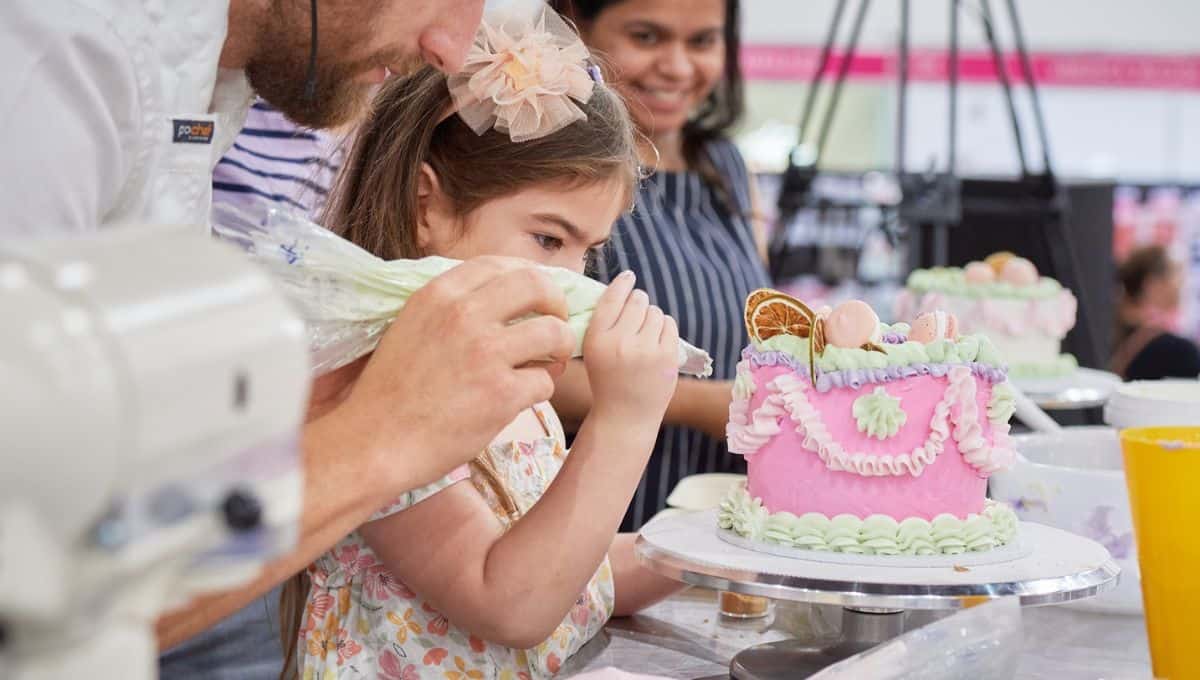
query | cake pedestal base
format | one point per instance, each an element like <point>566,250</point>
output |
<point>1060,568</point>
<point>862,629</point>
<point>1082,389</point>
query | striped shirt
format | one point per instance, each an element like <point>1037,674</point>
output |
<point>274,160</point>
<point>698,262</point>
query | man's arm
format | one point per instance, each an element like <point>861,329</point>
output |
<point>418,410</point>
<point>330,513</point>
<point>69,113</point>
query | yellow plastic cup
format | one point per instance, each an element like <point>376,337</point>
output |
<point>1162,469</point>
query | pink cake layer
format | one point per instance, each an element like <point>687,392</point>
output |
<point>788,477</point>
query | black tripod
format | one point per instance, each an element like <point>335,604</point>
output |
<point>932,203</point>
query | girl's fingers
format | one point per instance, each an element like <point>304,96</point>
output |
<point>634,314</point>
<point>652,327</point>
<point>608,308</point>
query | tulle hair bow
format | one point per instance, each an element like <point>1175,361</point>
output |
<point>523,76</point>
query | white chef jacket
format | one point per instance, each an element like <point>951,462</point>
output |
<point>112,111</point>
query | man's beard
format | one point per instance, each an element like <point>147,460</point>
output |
<point>279,73</point>
<point>281,79</point>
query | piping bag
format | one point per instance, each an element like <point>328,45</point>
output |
<point>348,297</point>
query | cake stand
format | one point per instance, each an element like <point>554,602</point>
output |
<point>1084,388</point>
<point>1059,567</point>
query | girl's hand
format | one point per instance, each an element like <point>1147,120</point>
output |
<point>631,355</point>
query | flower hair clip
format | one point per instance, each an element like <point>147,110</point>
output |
<point>523,77</point>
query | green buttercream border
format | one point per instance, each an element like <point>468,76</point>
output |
<point>1064,364</point>
<point>952,281</point>
<point>966,349</point>
<point>946,534</point>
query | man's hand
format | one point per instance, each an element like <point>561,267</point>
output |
<point>456,366</point>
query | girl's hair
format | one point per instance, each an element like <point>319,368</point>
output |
<point>374,202</point>
<point>720,112</point>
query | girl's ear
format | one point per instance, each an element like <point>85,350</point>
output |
<point>429,208</point>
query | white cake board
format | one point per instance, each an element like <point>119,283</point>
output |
<point>1006,553</point>
<point>1060,567</point>
<point>1082,388</point>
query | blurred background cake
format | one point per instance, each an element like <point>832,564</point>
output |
<point>1025,315</point>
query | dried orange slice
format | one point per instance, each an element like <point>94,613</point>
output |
<point>752,302</point>
<point>770,313</point>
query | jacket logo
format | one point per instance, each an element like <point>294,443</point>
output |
<point>192,131</point>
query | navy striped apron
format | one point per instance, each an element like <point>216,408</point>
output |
<point>697,261</point>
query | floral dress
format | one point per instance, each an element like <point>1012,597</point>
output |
<point>360,621</point>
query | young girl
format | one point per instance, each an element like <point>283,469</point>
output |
<point>505,569</point>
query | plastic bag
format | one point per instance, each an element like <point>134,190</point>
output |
<point>348,297</point>
<point>981,643</point>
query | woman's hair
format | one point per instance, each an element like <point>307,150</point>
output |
<point>1137,269</point>
<point>374,202</point>
<point>722,109</point>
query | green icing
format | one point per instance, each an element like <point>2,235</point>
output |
<point>966,348</point>
<point>951,281</point>
<point>741,514</point>
<point>1064,364</point>
<point>1002,404</point>
<point>875,535</point>
<point>987,352</point>
<point>788,344</point>
<point>879,414</point>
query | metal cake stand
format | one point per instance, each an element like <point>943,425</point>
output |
<point>1059,567</point>
<point>1082,389</point>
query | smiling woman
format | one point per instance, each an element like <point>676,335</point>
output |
<point>692,238</point>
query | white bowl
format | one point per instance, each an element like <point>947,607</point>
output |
<point>1073,480</point>
<point>1149,403</point>
<point>703,491</point>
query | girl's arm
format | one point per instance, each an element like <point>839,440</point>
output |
<point>699,404</point>
<point>515,588</point>
<point>636,586</point>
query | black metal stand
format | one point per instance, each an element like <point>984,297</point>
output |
<point>932,202</point>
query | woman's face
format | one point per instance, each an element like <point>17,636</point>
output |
<point>666,56</point>
<point>1164,292</point>
<point>554,225</point>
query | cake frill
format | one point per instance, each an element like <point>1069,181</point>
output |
<point>945,534</point>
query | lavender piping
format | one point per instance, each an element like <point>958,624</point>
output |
<point>855,378</point>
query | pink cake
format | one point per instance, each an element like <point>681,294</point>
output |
<point>865,438</point>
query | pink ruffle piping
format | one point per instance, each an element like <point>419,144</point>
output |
<point>748,432</point>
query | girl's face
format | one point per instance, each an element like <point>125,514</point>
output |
<point>667,56</point>
<point>558,226</point>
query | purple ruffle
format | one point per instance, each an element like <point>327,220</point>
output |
<point>855,378</point>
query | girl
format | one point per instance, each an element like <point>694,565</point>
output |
<point>505,569</point>
<point>691,238</point>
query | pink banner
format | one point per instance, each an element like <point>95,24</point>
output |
<point>1068,69</point>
